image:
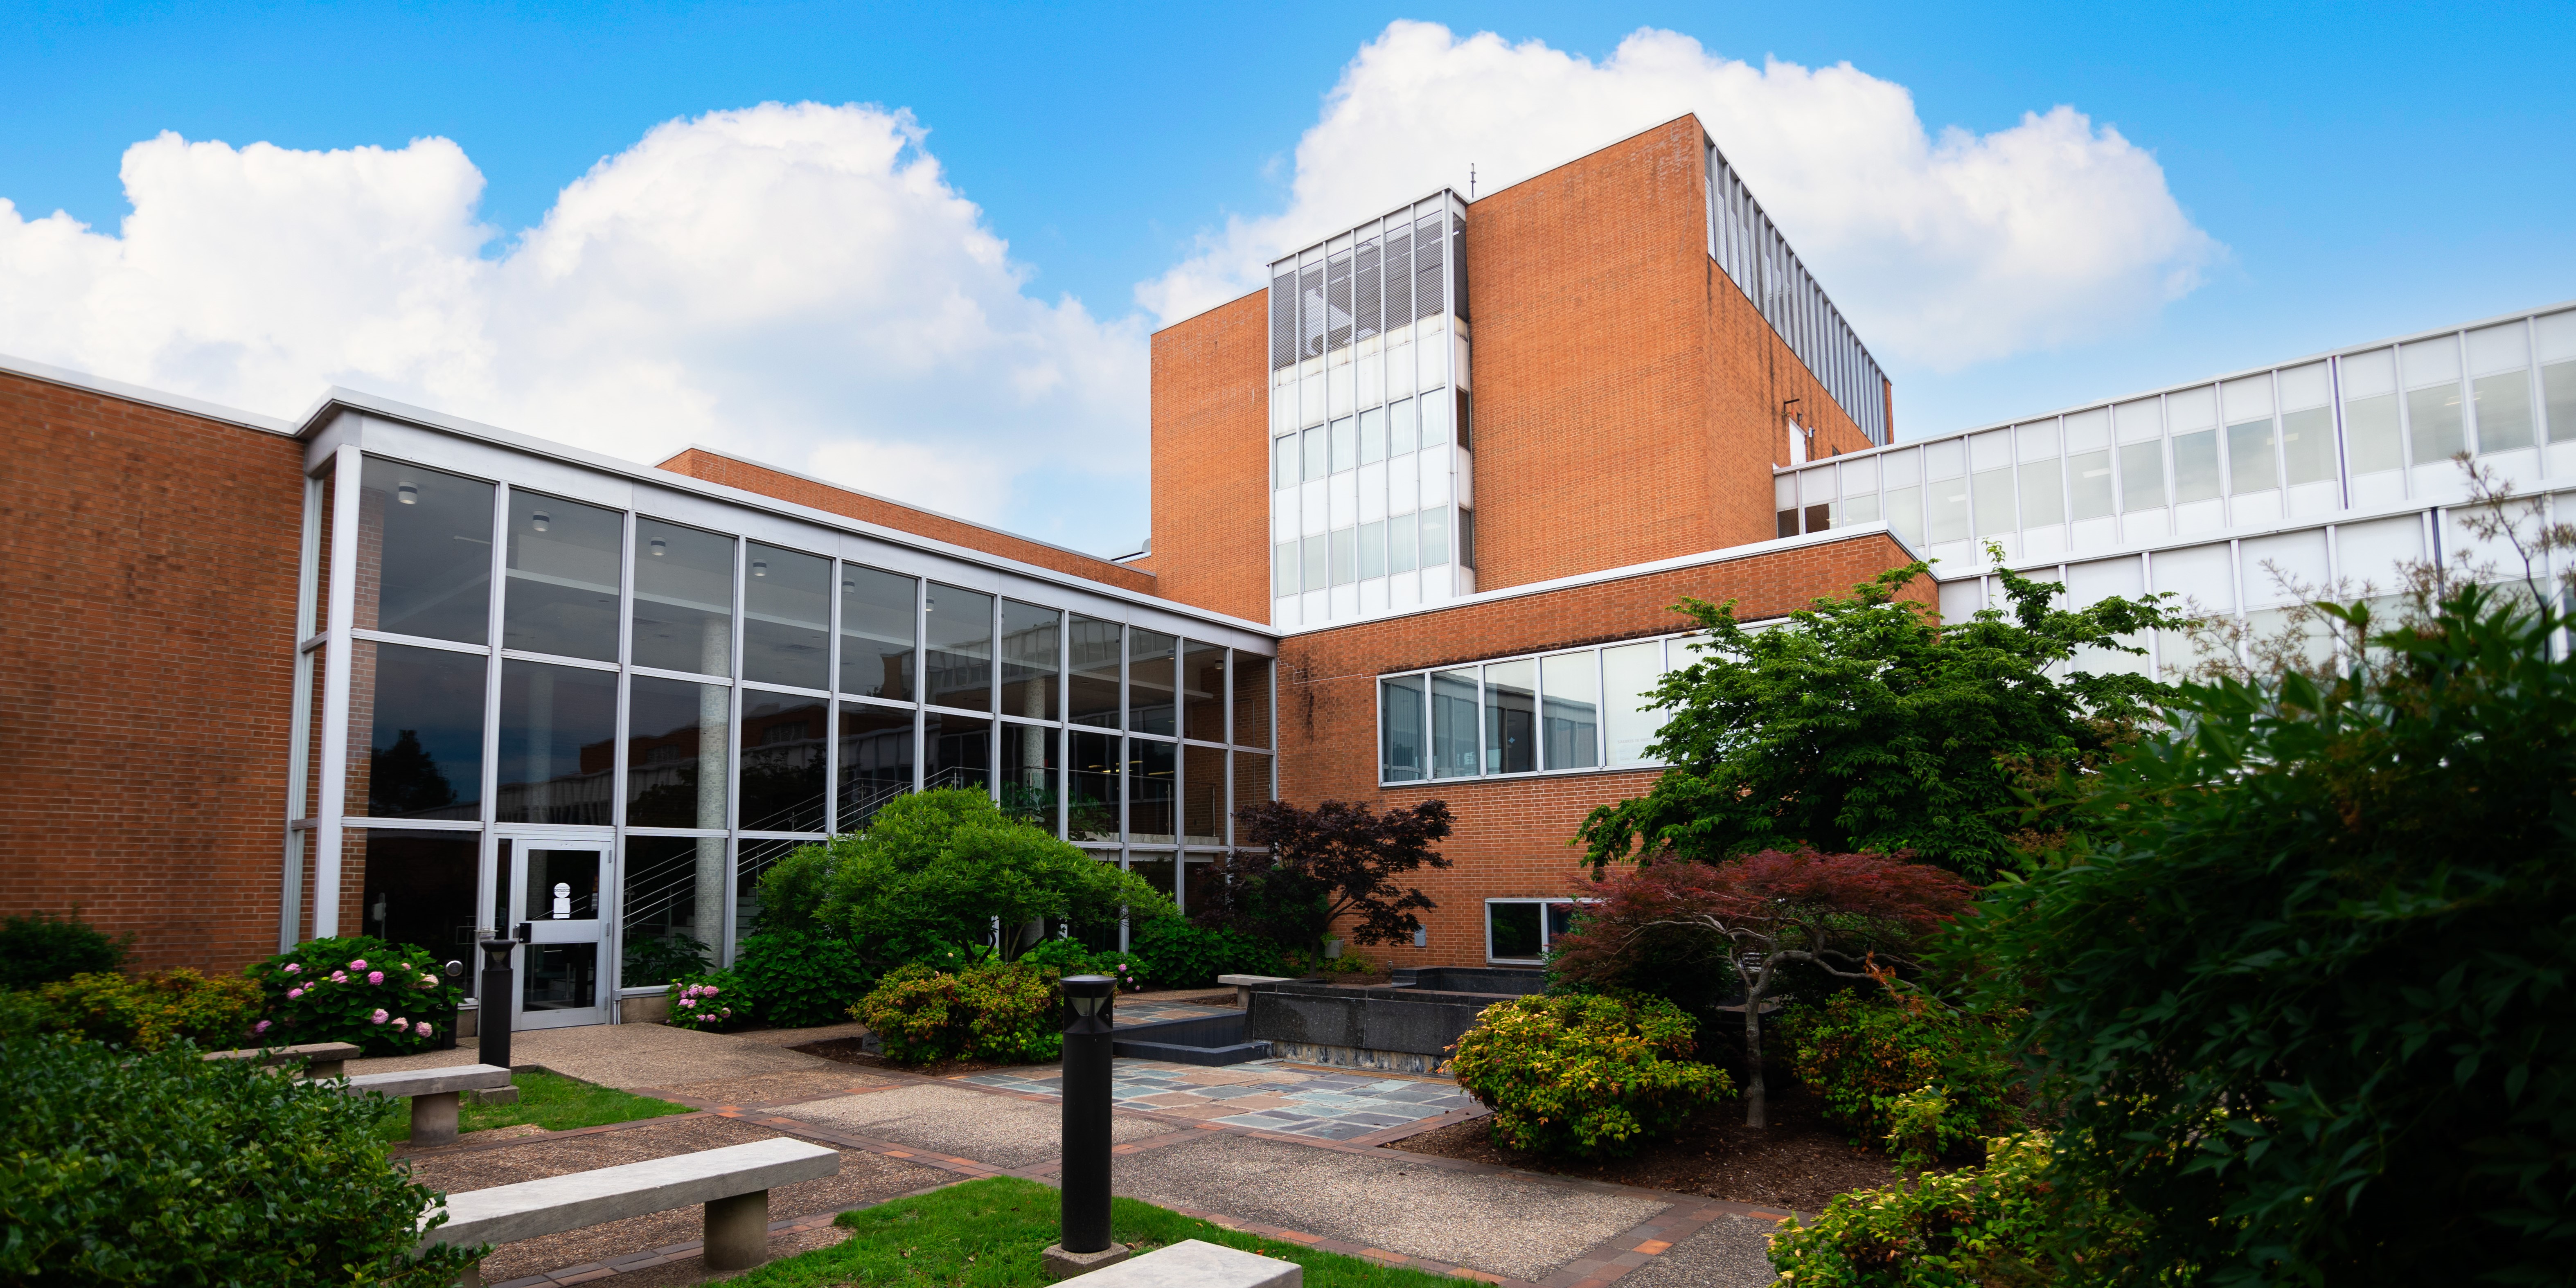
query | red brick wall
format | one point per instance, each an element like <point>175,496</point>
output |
<point>700,464</point>
<point>1211,459</point>
<point>1512,834</point>
<point>148,561</point>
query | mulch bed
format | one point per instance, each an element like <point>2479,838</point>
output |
<point>1798,1162</point>
<point>848,1051</point>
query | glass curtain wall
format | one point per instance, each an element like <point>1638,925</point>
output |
<point>1580,709</point>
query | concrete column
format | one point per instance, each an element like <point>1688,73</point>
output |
<point>715,742</point>
<point>738,1231</point>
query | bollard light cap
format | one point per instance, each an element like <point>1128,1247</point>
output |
<point>1088,993</point>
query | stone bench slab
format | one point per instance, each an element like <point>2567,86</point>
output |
<point>320,1059</point>
<point>431,1082</point>
<point>1195,1263</point>
<point>533,1209</point>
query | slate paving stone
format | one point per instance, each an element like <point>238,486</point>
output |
<point>1261,1094</point>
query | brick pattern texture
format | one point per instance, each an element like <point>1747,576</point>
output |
<point>1211,459</point>
<point>147,662</point>
<point>1513,836</point>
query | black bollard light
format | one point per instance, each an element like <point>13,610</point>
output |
<point>1084,1178</point>
<point>492,1024</point>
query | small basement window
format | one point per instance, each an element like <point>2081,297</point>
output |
<point>1524,930</point>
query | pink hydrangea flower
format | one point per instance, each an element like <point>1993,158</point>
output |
<point>359,964</point>
<point>400,1024</point>
<point>339,977</point>
<point>688,1001</point>
<point>421,1028</point>
<point>294,968</point>
<point>379,1017</point>
<point>711,990</point>
<point>375,977</point>
<point>294,993</point>
<point>261,1027</point>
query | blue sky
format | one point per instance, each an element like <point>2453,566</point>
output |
<point>2366,171</point>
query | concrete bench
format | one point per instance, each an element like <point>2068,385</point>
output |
<point>1195,1263</point>
<point>433,1095</point>
<point>1244,984</point>
<point>733,1182</point>
<point>320,1059</point>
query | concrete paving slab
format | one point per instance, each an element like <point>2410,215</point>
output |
<point>1503,1224</point>
<point>966,1124</point>
<point>792,1087</point>
<point>626,1055</point>
<point>1730,1252</point>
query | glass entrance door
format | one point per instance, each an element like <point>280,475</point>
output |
<point>558,890</point>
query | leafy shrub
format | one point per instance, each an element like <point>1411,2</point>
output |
<point>1007,1014</point>
<point>41,948</point>
<point>709,1002</point>
<point>1313,868</point>
<point>1072,957</point>
<point>1183,955</point>
<point>1585,1075</point>
<point>1300,963</point>
<point>798,979</point>
<point>387,998</point>
<point>660,959</point>
<point>160,1168</point>
<point>2011,1222</point>
<point>1920,1127</point>
<point>152,1011</point>
<point>1862,1053</point>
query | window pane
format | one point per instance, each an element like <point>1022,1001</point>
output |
<point>561,595</point>
<point>2307,440</point>
<point>1028,774</point>
<point>2043,493</point>
<point>1346,447</point>
<point>2249,457</point>
<point>2433,423</point>
<point>1251,699</point>
<point>876,760</point>
<point>1091,787</point>
<point>1435,538</point>
<point>1372,435</point>
<point>1400,433</point>
<point>2504,411</point>
<point>879,616</point>
<point>1571,724</point>
<point>959,749</point>
<point>957,652</point>
<point>2142,476</point>
<point>786,618</point>
<point>675,753</point>
<point>416,888</point>
<point>1154,869</point>
<point>1149,682</point>
<point>1453,724</point>
<point>683,598</point>
<point>1630,673</point>
<point>424,552</point>
<point>781,763</point>
<point>1346,556</point>
<point>1401,736</point>
<point>421,710</point>
<point>1251,779</point>
<point>1203,691</point>
<point>2088,485</point>
<point>1946,510</point>
<point>1905,513</point>
<point>1094,688</point>
<point>1372,550</point>
<point>1030,640</point>
<point>1318,565</point>
<point>1400,543</point>
<point>1993,491</point>
<point>2370,433</point>
<point>2558,391</point>
<point>1198,884</point>
<point>1284,576</point>
<point>1284,469</point>
<point>1511,717</point>
<point>558,736</point>
<point>1317,465</point>
<point>1149,791</point>
<point>2195,466</point>
<point>674,902</point>
<point>1202,796</point>
<point>1435,409</point>
<point>1512,930</point>
<point>751,859</point>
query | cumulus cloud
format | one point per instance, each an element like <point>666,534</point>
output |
<point>1944,249</point>
<point>798,283</point>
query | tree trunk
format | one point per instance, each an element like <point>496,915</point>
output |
<point>1753,1088</point>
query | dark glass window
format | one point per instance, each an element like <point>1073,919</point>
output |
<point>1251,780</point>
<point>671,921</point>
<point>1251,699</point>
<point>561,594</point>
<point>1149,681</point>
<point>786,618</point>
<point>960,749</point>
<point>1406,747</point>
<point>1511,930</point>
<point>683,598</point>
<point>1453,724</point>
<point>960,648</point>
<point>879,618</point>
<point>1156,869</point>
<point>876,760</point>
<point>424,756</point>
<point>1091,787</point>
<point>1030,641</point>
<point>1203,691</point>
<point>752,858</point>
<point>418,888</point>
<point>781,762</point>
<point>1198,882</point>
<point>1149,791</point>
<point>1202,796</point>
<point>558,744</point>
<point>1094,690</point>
<point>424,552</point>
<point>675,753</point>
<point>1029,771</point>
<point>1511,717</point>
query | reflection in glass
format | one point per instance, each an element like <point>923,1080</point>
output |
<point>2504,411</point>
<point>1251,699</point>
<point>561,590</point>
<point>1202,796</point>
<point>683,598</point>
<point>876,760</point>
<point>424,552</point>
<point>2370,434</point>
<point>1029,646</point>
<point>1453,724</point>
<point>558,743</point>
<point>1149,791</point>
<point>1029,768</point>
<point>1511,931</point>
<point>1156,869</point>
<point>1945,510</point>
<point>1252,784</point>
<point>560,977</point>
<point>2558,399</point>
<point>1571,717</point>
<point>878,619</point>
<point>1094,690</point>
<point>2088,485</point>
<point>1198,884</point>
<point>1149,681</point>
<point>2043,493</point>
<point>2434,424</point>
<point>2250,466</point>
<point>1202,691</point>
<point>417,888</point>
<point>423,756</point>
<point>2142,475</point>
<point>1400,725</point>
<point>675,753</point>
<point>2195,466</point>
<point>781,762</point>
<point>669,924</point>
<point>1092,766</point>
<point>960,751</point>
<point>2307,442</point>
<point>1511,717</point>
<point>752,859</point>
<point>1629,673</point>
<point>786,618</point>
<point>959,652</point>
<point>1993,490</point>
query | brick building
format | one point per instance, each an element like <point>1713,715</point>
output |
<point>1421,508</point>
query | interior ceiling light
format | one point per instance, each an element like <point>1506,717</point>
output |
<point>759,567</point>
<point>540,520</point>
<point>658,547</point>
<point>407,493</point>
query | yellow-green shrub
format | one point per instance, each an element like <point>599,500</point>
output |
<point>150,1012</point>
<point>1585,1075</point>
<point>2007,1223</point>
<point>981,1011</point>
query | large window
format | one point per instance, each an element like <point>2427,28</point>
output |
<point>424,552</point>
<point>683,599</point>
<point>1580,709</point>
<point>880,619</point>
<point>563,577</point>
<point>786,618</point>
<point>1525,930</point>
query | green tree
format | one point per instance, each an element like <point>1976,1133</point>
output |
<point>1868,724</point>
<point>2308,981</point>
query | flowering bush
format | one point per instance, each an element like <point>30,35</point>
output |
<point>981,1011</point>
<point>1585,1075</point>
<point>2009,1222</point>
<point>152,1011</point>
<point>1863,1053</point>
<point>389,999</point>
<point>708,1002</point>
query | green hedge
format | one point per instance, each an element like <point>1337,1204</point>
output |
<point>797,979</point>
<point>40,948</point>
<point>1183,955</point>
<point>1587,1075</point>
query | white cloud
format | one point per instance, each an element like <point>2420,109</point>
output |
<point>796,283</point>
<point>1944,249</point>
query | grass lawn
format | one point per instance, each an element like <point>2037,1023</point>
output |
<point>988,1233</point>
<point>550,1100</point>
